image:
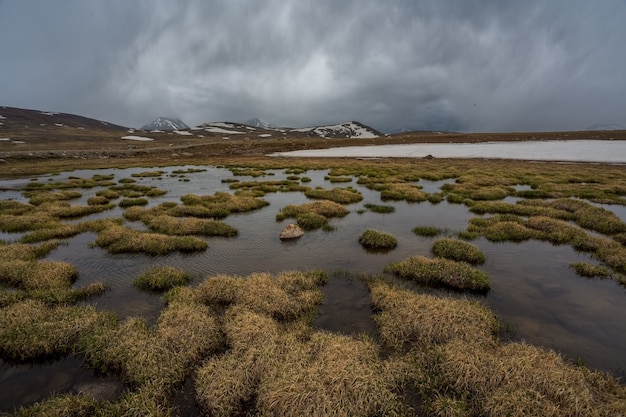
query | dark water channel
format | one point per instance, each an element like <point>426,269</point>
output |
<point>534,291</point>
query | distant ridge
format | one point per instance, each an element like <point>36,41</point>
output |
<point>165,124</point>
<point>13,116</point>
<point>612,125</point>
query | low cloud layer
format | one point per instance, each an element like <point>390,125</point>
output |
<point>446,65</point>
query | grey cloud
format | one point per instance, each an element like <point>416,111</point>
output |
<point>450,64</point>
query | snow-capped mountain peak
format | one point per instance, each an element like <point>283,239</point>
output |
<point>165,123</point>
<point>256,122</point>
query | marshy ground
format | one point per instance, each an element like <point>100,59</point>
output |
<point>244,341</point>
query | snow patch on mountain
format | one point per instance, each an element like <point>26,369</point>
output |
<point>348,130</point>
<point>165,123</point>
<point>223,127</point>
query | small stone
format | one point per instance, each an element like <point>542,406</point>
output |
<point>291,231</point>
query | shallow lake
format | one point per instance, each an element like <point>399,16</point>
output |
<point>607,151</point>
<point>534,291</point>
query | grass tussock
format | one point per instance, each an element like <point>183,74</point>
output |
<point>223,204</point>
<point>427,231</point>
<point>379,208</point>
<point>282,297</point>
<point>260,188</point>
<point>14,223</point>
<point>53,296</point>
<point>278,365</point>
<point>441,272</point>
<point>129,202</point>
<point>375,239</point>
<point>37,198</point>
<point>161,278</point>
<point>147,174</point>
<point>32,330</point>
<point>338,195</point>
<point>449,357</point>
<point>407,320</point>
<point>120,239</point>
<point>22,252</point>
<point>37,275</point>
<point>64,210</point>
<point>189,226</point>
<point>458,250</point>
<point>311,216</point>
<point>403,191</point>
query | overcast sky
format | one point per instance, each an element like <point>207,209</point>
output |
<point>482,65</point>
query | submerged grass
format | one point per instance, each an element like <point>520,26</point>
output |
<point>588,270</point>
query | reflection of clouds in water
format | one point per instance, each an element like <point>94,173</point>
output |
<point>536,292</point>
<point>533,287</point>
<point>577,150</point>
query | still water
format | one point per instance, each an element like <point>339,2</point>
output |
<point>534,291</point>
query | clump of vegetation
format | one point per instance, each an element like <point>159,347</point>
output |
<point>32,330</point>
<point>379,208</point>
<point>108,194</point>
<point>221,204</point>
<point>427,231</point>
<point>161,278</point>
<point>37,198</point>
<point>403,191</point>
<point>189,226</point>
<point>128,202</point>
<point>120,239</point>
<point>311,216</point>
<point>147,174</point>
<point>97,200</point>
<point>188,171</point>
<point>478,192</point>
<point>249,172</point>
<point>260,188</point>
<point>454,198</point>
<point>375,239</point>
<point>458,250</point>
<point>335,178</point>
<point>451,360</point>
<point>338,195</point>
<point>585,269</point>
<point>441,272</point>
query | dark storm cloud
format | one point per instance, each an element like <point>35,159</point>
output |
<point>450,64</point>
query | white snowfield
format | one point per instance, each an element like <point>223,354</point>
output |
<point>139,138</point>
<point>603,151</point>
<point>182,132</point>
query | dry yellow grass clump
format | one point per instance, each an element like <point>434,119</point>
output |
<point>31,330</point>
<point>120,239</point>
<point>278,365</point>
<point>449,355</point>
